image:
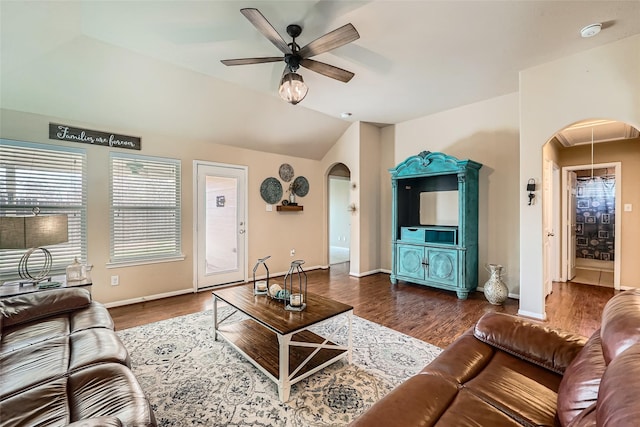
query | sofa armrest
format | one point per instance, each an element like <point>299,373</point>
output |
<point>38,305</point>
<point>550,348</point>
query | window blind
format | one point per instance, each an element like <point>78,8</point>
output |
<point>145,208</point>
<point>52,178</point>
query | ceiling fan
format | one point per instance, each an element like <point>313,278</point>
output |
<point>292,88</point>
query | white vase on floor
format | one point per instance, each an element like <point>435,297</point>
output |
<point>495,291</point>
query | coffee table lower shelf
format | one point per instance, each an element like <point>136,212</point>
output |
<point>304,352</point>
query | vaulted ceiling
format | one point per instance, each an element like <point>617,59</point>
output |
<point>155,65</point>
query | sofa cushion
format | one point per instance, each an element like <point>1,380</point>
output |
<point>409,404</point>
<point>581,381</point>
<point>37,305</point>
<point>550,348</point>
<point>109,389</point>
<point>524,391</point>
<point>620,327</point>
<point>44,405</point>
<point>618,404</point>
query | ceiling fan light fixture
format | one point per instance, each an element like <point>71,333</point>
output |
<point>292,88</point>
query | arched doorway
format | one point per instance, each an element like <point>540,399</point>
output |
<point>339,184</point>
<point>584,214</point>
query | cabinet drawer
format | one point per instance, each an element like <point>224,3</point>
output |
<point>413,234</point>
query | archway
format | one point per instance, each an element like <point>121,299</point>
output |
<point>339,220</point>
<point>588,205</point>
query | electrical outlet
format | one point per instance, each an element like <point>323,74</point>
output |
<point>292,253</point>
<point>115,280</point>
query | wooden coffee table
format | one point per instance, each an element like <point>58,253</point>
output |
<point>278,342</point>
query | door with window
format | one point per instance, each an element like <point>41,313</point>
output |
<point>221,224</point>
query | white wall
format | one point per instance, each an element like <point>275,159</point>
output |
<point>486,132</point>
<point>339,215</point>
<point>369,204</point>
<point>600,83</point>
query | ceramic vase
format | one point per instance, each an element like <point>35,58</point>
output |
<point>495,291</point>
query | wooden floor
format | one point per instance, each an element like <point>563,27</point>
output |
<point>431,315</point>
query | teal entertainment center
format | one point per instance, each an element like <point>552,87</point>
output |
<point>435,222</point>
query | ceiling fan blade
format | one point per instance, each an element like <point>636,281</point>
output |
<point>260,22</point>
<point>327,70</point>
<point>336,38</point>
<point>247,61</point>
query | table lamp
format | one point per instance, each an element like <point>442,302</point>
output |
<point>33,232</point>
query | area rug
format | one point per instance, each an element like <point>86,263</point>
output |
<point>192,380</point>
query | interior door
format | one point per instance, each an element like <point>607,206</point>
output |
<point>220,235</point>
<point>571,224</point>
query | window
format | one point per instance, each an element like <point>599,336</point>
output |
<point>145,209</point>
<point>52,178</point>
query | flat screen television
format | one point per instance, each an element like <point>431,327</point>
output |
<point>439,208</point>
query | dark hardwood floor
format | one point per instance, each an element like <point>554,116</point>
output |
<point>431,315</point>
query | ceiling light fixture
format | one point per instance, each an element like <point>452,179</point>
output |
<point>292,88</point>
<point>345,115</point>
<point>591,30</point>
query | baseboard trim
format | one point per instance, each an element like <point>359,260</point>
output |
<point>532,315</point>
<point>367,273</point>
<point>510,295</point>
<point>148,298</point>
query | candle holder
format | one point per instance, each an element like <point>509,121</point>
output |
<point>297,295</point>
<point>261,287</point>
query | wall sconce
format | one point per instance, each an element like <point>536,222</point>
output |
<point>352,208</point>
<point>531,187</point>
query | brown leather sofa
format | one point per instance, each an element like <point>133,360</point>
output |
<point>507,371</point>
<point>61,363</point>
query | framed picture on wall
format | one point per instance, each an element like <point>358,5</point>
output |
<point>583,204</point>
<point>590,220</point>
<point>605,256</point>
<point>603,234</point>
<point>579,228</point>
<point>606,218</point>
<point>580,191</point>
<point>581,241</point>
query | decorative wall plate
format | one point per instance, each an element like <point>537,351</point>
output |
<point>271,190</point>
<point>286,172</point>
<point>301,186</point>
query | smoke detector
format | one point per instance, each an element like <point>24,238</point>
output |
<point>591,30</point>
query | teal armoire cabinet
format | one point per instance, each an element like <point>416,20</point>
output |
<point>435,222</point>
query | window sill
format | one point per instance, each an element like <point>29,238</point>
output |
<point>120,264</point>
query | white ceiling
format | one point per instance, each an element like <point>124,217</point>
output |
<point>156,64</point>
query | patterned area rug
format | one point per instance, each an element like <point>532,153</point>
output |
<point>192,380</point>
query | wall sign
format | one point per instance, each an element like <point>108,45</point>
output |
<point>95,137</point>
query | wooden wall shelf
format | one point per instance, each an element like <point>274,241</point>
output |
<point>287,208</point>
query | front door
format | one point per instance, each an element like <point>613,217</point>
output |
<point>220,235</point>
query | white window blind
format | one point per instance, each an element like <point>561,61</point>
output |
<point>145,208</point>
<point>52,178</point>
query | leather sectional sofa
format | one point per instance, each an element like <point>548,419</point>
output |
<point>507,371</point>
<point>61,363</point>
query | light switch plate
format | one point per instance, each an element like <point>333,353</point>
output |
<point>269,208</point>
<point>628,207</point>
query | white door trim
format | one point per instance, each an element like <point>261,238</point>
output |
<point>196,225</point>
<point>617,243</point>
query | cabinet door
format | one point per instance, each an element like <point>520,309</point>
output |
<point>410,260</point>
<point>443,266</point>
